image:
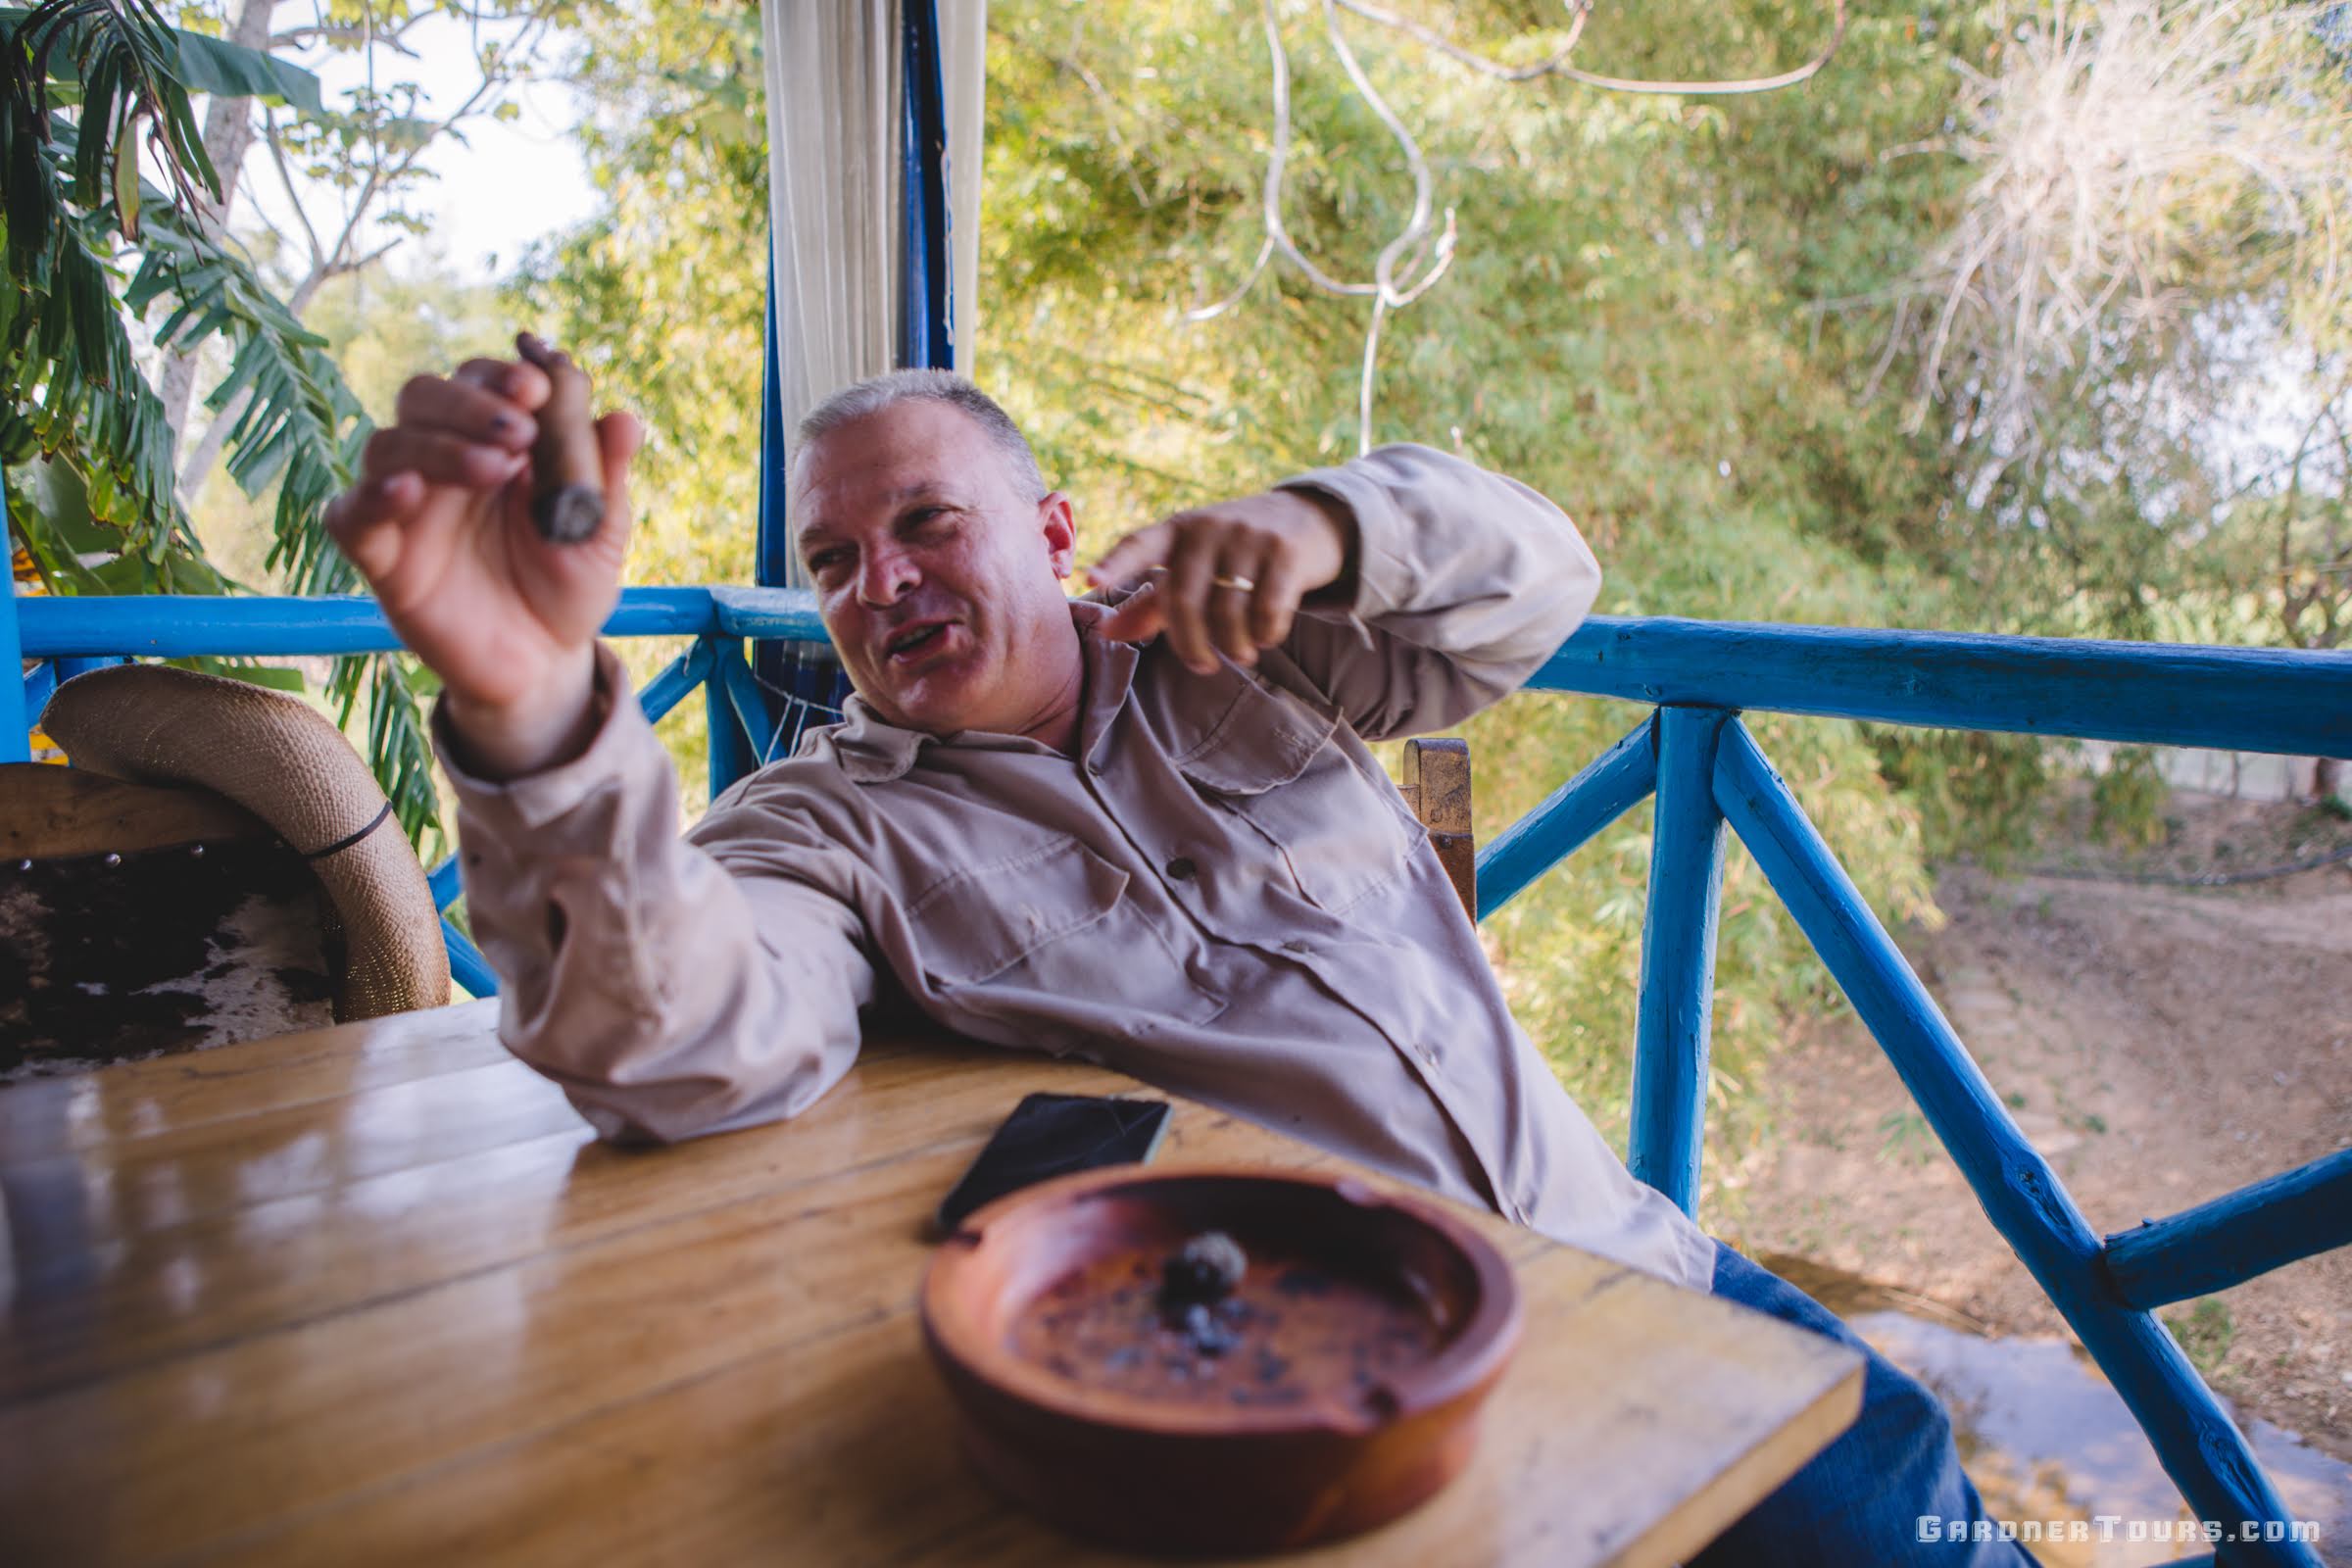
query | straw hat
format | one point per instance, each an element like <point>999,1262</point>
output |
<point>289,767</point>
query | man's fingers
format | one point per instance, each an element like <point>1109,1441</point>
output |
<point>439,459</point>
<point>365,521</point>
<point>525,385</point>
<point>1192,563</point>
<point>1233,591</point>
<point>619,437</point>
<point>466,410</point>
<point>1281,584</point>
<point>1137,621</point>
<point>1133,555</point>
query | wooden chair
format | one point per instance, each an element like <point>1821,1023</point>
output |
<point>217,866</point>
<point>1436,791</point>
<point>137,920</point>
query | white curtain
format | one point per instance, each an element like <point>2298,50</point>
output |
<point>835,128</point>
<point>833,136</point>
<point>964,63</point>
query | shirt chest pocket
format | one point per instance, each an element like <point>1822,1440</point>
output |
<point>1049,940</point>
<point>1293,778</point>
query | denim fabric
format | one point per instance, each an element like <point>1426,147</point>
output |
<point>1861,1498</point>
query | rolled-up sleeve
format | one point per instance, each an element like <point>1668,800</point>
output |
<point>1465,582</point>
<point>664,993</point>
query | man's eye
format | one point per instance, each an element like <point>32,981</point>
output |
<point>825,560</point>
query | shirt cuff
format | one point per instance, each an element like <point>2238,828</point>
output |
<point>615,753</point>
<point>1383,577</point>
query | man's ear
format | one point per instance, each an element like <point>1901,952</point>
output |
<point>1060,527</point>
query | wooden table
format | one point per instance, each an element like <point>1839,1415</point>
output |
<point>373,1295</point>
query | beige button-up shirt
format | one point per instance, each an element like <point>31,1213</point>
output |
<point>1220,894</point>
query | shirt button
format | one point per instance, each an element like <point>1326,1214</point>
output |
<point>1181,869</point>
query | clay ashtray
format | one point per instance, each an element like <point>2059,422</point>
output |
<point>1112,1377</point>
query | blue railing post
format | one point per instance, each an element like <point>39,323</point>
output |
<point>1677,956</point>
<point>16,741</point>
<point>41,684</point>
<point>927,330</point>
<point>731,754</point>
<point>467,966</point>
<point>2236,1236</point>
<point>1612,785</point>
<point>2200,1448</point>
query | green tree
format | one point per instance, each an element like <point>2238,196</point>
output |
<point>1629,323</point>
<point>2131,329</point>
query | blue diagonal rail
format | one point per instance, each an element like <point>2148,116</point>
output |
<point>2200,1448</point>
<point>1705,769</point>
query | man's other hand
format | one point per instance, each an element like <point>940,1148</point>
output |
<point>440,526</point>
<point>1229,577</point>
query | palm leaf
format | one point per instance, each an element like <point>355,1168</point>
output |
<point>71,389</point>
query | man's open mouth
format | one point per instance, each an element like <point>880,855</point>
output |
<point>916,641</point>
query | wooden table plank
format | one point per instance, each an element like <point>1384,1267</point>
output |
<point>377,1306</point>
<point>91,1301</point>
<point>838,1451</point>
<point>185,1174</point>
<point>512,1350</point>
<point>48,1116</point>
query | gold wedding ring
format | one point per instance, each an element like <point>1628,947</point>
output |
<point>1243,583</point>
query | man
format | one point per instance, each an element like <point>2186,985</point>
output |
<point>1141,828</point>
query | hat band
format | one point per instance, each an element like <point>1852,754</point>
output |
<point>349,840</point>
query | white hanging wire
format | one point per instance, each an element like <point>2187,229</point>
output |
<point>795,712</point>
<point>1412,249</point>
<point>1558,64</point>
<point>1408,251</point>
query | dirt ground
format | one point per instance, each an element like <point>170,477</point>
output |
<point>2160,1045</point>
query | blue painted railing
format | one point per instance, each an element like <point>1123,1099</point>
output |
<point>1708,774</point>
<point>63,632</point>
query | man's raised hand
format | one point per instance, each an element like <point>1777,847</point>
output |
<point>1227,577</point>
<point>440,526</point>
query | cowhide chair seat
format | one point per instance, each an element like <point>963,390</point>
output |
<point>137,920</point>
<point>217,866</point>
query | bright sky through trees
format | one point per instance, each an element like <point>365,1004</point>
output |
<point>514,180</point>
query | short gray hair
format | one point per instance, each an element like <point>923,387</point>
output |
<point>876,393</point>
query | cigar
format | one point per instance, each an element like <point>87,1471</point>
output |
<point>567,492</point>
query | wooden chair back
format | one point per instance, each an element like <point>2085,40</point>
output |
<point>1436,791</point>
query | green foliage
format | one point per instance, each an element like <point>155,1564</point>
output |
<point>1671,315</point>
<point>1623,328</point>
<point>1627,327</point>
<point>2126,801</point>
<point>1975,793</point>
<point>2205,1332</point>
<point>1906,1139</point>
<point>88,454</point>
<point>662,297</point>
<point>74,188</point>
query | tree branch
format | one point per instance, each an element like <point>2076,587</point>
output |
<point>278,156</point>
<point>348,35</point>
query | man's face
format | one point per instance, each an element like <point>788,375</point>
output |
<point>937,577</point>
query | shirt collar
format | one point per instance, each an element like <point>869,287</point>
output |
<point>874,751</point>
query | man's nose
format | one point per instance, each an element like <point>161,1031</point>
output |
<point>886,577</point>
